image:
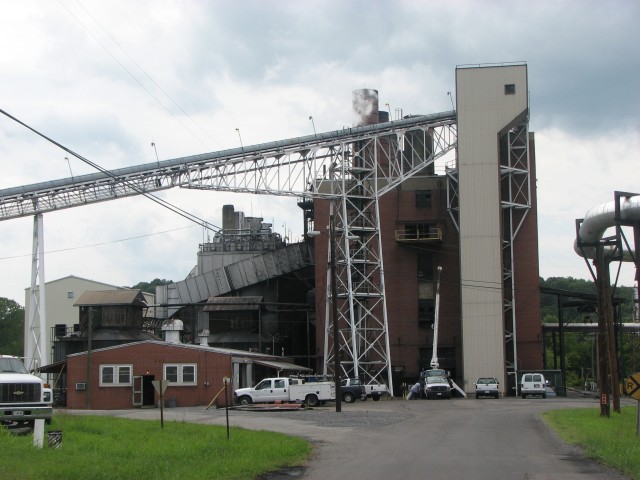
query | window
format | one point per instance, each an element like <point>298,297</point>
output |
<point>423,198</point>
<point>510,89</point>
<point>279,384</point>
<point>426,312</point>
<point>263,385</point>
<point>69,294</point>
<point>115,375</point>
<point>424,261</point>
<point>114,316</point>
<point>180,373</point>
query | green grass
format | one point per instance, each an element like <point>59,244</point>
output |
<point>112,448</point>
<point>611,441</point>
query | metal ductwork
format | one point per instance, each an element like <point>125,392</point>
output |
<point>624,210</point>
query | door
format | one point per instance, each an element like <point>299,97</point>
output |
<point>264,391</point>
<point>280,390</point>
<point>148,392</point>
<point>137,391</point>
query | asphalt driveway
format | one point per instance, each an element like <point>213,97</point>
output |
<point>400,439</point>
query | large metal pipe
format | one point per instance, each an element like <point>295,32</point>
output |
<point>601,217</point>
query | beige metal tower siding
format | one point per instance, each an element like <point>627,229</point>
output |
<point>485,107</point>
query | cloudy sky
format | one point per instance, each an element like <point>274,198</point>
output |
<point>108,79</point>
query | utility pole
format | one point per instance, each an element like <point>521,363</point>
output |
<point>611,341</point>
<point>334,305</point>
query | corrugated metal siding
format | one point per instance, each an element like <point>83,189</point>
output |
<point>202,286</point>
<point>212,285</point>
<point>240,274</point>
<point>270,265</point>
<point>237,273</point>
<point>222,281</point>
<point>262,273</point>
<point>183,292</point>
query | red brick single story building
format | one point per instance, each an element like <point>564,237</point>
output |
<point>122,376</point>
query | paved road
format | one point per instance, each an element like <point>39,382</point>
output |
<point>437,439</point>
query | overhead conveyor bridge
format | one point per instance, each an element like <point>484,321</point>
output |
<point>302,166</point>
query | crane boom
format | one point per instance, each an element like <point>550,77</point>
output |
<point>434,357</point>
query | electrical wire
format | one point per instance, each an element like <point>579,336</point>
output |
<point>183,213</point>
<point>98,244</point>
<point>144,72</point>
<point>133,77</point>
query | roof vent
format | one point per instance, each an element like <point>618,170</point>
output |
<point>203,338</point>
<point>172,329</point>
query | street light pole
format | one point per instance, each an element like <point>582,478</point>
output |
<point>334,304</point>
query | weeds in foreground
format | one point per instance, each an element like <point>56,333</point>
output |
<point>112,448</point>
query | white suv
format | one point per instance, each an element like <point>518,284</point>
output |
<point>533,384</point>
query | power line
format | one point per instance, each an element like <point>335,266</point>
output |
<point>98,244</point>
<point>133,186</point>
<point>149,76</point>
<point>135,79</point>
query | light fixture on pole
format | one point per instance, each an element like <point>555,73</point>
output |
<point>241,145</point>
<point>69,163</point>
<point>153,144</point>
<point>274,338</point>
<point>313,124</point>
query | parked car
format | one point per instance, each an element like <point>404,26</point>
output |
<point>533,384</point>
<point>487,387</point>
<point>437,387</point>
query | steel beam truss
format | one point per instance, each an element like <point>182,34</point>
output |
<point>352,167</point>
<point>515,186</point>
<point>37,346</point>
<point>367,169</point>
<point>294,167</point>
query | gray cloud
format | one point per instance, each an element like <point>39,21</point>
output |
<point>110,77</point>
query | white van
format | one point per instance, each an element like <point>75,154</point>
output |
<point>533,384</point>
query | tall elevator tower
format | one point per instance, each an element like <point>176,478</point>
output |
<point>495,199</point>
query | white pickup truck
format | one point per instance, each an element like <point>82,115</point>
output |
<point>24,398</point>
<point>282,389</point>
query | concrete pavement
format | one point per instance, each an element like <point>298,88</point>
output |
<point>394,438</point>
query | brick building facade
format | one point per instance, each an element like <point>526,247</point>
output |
<point>120,377</point>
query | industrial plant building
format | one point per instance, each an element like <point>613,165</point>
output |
<point>467,224</point>
<point>420,246</point>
